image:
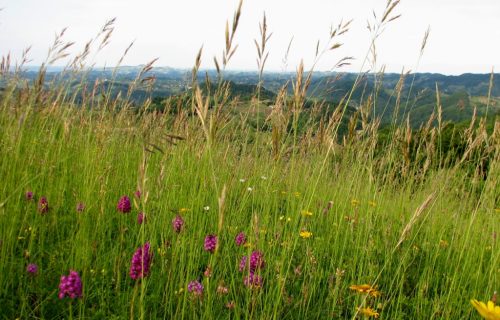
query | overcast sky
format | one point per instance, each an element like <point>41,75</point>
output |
<point>465,34</point>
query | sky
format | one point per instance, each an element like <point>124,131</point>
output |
<point>464,34</point>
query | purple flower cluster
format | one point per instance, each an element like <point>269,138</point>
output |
<point>124,204</point>
<point>70,286</point>
<point>256,263</point>
<point>210,243</point>
<point>141,218</point>
<point>141,262</point>
<point>43,205</point>
<point>253,280</point>
<point>80,207</point>
<point>196,288</point>
<point>32,269</point>
<point>29,195</point>
<point>240,239</point>
<point>137,194</point>
<point>177,223</point>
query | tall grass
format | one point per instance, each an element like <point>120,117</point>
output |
<point>327,211</point>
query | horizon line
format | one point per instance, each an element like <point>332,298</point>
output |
<point>252,71</point>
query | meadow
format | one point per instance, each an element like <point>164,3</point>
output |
<point>111,211</point>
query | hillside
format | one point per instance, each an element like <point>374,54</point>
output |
<point>459,95</point>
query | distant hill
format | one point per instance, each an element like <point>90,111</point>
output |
<point>459,94</point>
<point>243,91</point>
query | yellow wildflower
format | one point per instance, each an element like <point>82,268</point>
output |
<point>366,288</point>
<point>287,219</point>
<point>372,204</point>
<point>183,210</point>
<point>161,251</point>
<point>305,234</point>
<point>296,194</point>
<point>369,312</point>
<point>354,202</point>
<point>488,311</point>
<point>306,213</point>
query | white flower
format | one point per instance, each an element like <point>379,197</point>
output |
<point>249,189</point>
<point>206,208</point>
<point>263,177</point>
<point>242,180</point>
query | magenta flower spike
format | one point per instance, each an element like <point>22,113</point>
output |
<point>80,207</point>
<point>137,194</point>
<point>177,223</point>
<point>32,269</point>
<point>141,262</point>
<point>43,205</point>
<point>141,218</point>
<point>253,280</point>
<point>29,195</point>
<point>196,288</point>
<point>70,286</point>
<point>240,239</point>
<point>124,204</point>
<point>256,262</point>
<point>210,243</point>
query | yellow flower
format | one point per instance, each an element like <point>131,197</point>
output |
<point>183,210</point>
<point>354,202</point>
<point>488,311</point>
<point>369,312</point>
<point>366,288</point>
<point>305,234</point>
<point>297,194</point>
<point>372,204</point>
<point>306,213</point>
<point>161,251</point>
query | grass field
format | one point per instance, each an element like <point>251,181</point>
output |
<point>332,226</point>
<point>428,244</point>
